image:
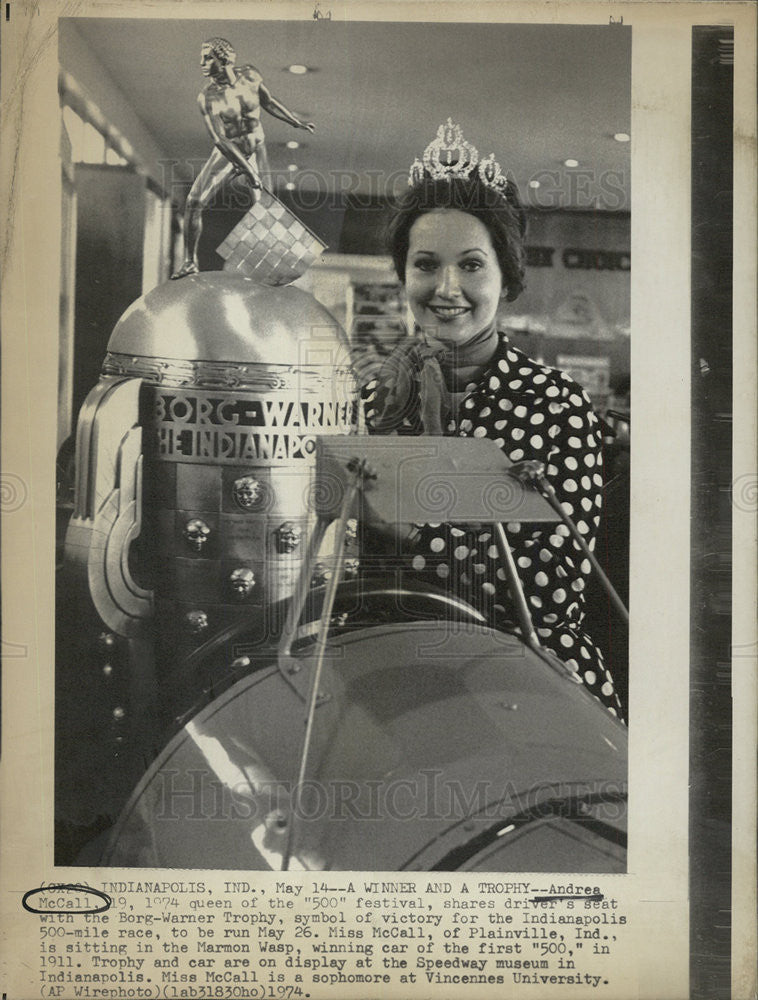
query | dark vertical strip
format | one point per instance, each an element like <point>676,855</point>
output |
<point>711,538</point>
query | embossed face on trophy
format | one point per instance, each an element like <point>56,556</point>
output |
<point>196,534</point>
<point>241,583</point>
<point>288,537</point>
<point>197,622</point>
<point>321,574</point>
<point>247,492</point>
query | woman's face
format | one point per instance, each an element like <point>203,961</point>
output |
<point>452,276</point>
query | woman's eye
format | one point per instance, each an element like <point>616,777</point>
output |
<point>472,265</point>
<point>424,265</point>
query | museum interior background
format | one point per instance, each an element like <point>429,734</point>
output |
<point>552,103</point>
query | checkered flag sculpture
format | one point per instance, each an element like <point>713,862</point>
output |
<point>270,244</point>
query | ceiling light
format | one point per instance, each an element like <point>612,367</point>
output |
<point>571,163</point>
<point>293,144</point>
<point>534,184</point>
<point>297,69</point>
<point>622,137</point>
<point>289,186</point>
<point>292,167</point>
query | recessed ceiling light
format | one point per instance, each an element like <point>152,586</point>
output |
<point>297,69</point>
<point>571,163</point>
<point>293,144</point>
<point>622,137</point>
<point>534,184</point>
<point>292,167</point>
<point>289,186</point>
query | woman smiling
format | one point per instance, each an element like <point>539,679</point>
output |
<point>457,242</point>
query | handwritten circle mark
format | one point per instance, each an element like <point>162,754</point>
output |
<point>85,890</point>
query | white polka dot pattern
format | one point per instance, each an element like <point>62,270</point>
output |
<point>532,412</point>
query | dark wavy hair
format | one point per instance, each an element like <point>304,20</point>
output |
<point>503,215</point>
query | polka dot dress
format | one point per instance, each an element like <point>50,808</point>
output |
<point>531,412</point>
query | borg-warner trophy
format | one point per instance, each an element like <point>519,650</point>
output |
<point>194,465</point>
<point>193,470</point>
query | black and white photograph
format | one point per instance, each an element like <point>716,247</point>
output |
<point>351,649</point>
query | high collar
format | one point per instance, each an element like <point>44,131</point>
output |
<point>477,353</point>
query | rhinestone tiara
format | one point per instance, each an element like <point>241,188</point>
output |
<point>449,155</point>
